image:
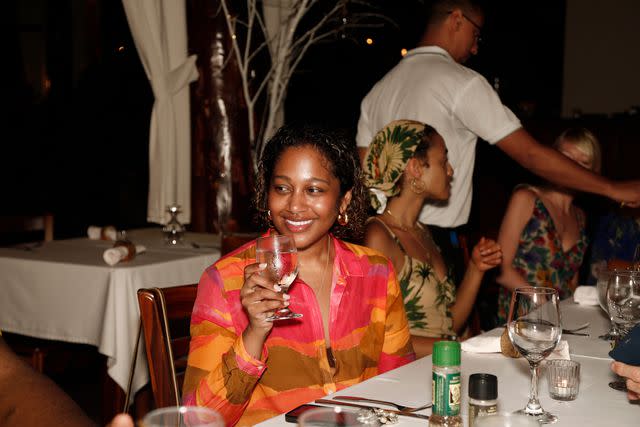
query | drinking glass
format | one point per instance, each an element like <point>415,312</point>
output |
<point>183,416</point>
<point>623,299</point>
<point>601,286</point>
<point>534,329</point>
<point>330,417</point>
<point>564,379</point>
<point>279,252</point>
<point>173,231</point>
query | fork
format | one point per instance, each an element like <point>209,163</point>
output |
<point>400,408</point>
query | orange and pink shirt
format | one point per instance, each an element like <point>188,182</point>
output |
<point>368,332</point>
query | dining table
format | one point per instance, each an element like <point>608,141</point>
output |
<point>596,405</point>
<point>63,290</point>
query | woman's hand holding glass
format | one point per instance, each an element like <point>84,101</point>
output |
<point>260,297</point>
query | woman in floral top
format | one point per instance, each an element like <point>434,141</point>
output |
<point>405,166</point>
<point>543,233</point>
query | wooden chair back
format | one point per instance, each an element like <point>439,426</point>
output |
<point>26,228</point>
<point>232,241</point>
<point>618,264</point>
<point>165,314</point>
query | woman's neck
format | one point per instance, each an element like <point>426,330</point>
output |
<point>404,210</point>
<point>316,253</point>
<point>561,199</point>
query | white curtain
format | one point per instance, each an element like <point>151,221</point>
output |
<point>159,29</point>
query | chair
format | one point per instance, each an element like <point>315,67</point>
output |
<point>618,264</point>
<point>232,241</point>
<point>16,229</point>
<point>165,314</point>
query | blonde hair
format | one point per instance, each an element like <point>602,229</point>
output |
<point>584,141</point>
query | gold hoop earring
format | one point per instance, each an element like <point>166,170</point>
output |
<point>343,219</point>
<point>416,186</point>
<point>269,218</point>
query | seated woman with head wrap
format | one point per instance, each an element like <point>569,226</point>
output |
<point>406,166</point>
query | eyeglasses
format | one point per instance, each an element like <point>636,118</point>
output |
<point>478,28</point>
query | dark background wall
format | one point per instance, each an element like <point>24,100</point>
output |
<point>78,102</point>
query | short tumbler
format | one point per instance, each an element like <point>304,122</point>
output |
<point>564,379</point>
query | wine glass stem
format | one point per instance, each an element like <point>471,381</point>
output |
<point>533,406</point>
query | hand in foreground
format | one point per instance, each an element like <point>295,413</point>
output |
<point>486,254</point>
<point>121,420</point>
<point>632,374</point>
<point>627,193</point>
<point>260,298</point>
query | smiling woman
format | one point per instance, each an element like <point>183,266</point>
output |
<point>354,324</point>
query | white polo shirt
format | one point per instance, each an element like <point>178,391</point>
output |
<point>429,86</point>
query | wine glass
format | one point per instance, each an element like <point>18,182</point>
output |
<point>279,252</point>
<point>534,329</point>
<point>623,299</point>
<point>183,416</point>
<point>601,286</point>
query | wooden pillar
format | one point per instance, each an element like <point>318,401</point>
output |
<point>222,170</point>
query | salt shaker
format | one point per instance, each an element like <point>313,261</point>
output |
<point>483,396</point>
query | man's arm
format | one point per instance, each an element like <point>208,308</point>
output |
<point>28,398</point>
<point>555,167</point>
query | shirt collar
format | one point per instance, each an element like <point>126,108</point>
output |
<point>429,50</point>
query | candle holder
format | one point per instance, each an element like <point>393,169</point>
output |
<point>564,379</point>
<point>174,230</point>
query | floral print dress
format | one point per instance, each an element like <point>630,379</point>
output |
<point>541,260</point>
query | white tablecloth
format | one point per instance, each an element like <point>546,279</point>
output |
<point>63,290</point>
<point>597,404</point>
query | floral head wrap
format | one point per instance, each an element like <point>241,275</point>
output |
<point>387,158</point>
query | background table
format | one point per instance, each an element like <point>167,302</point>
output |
<point>63,290</point>
<point>596,405</point>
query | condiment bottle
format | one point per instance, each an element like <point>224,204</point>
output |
<point>125,243</point>
<point>483,396</point>
<point>446,385</point>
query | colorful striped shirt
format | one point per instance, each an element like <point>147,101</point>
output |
<point>368,332</point>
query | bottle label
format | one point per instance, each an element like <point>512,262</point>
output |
<point>476,411</point>
<point>445,389</point>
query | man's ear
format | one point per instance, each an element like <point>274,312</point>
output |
<point>456,18</point>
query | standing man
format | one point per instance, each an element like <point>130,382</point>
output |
<point>431,85</point>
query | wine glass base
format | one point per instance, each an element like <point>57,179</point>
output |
<point>608,336</point>
<point>619,385</point>
<point>543,418</point>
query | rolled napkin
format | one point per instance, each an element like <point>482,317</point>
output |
<point>481,344</point>
<point>101,233</point>
<point>488,344</point>
<point>116,254</point>
<point>586,295</point>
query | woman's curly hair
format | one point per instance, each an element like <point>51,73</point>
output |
<point>342,161</point>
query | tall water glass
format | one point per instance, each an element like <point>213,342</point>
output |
<point>279,252</point>
<point>534,329</point>
<point>623,299</point>
<point>601,286</point>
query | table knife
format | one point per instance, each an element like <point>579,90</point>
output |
<point>355,405</point>
<point>582,334</point>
